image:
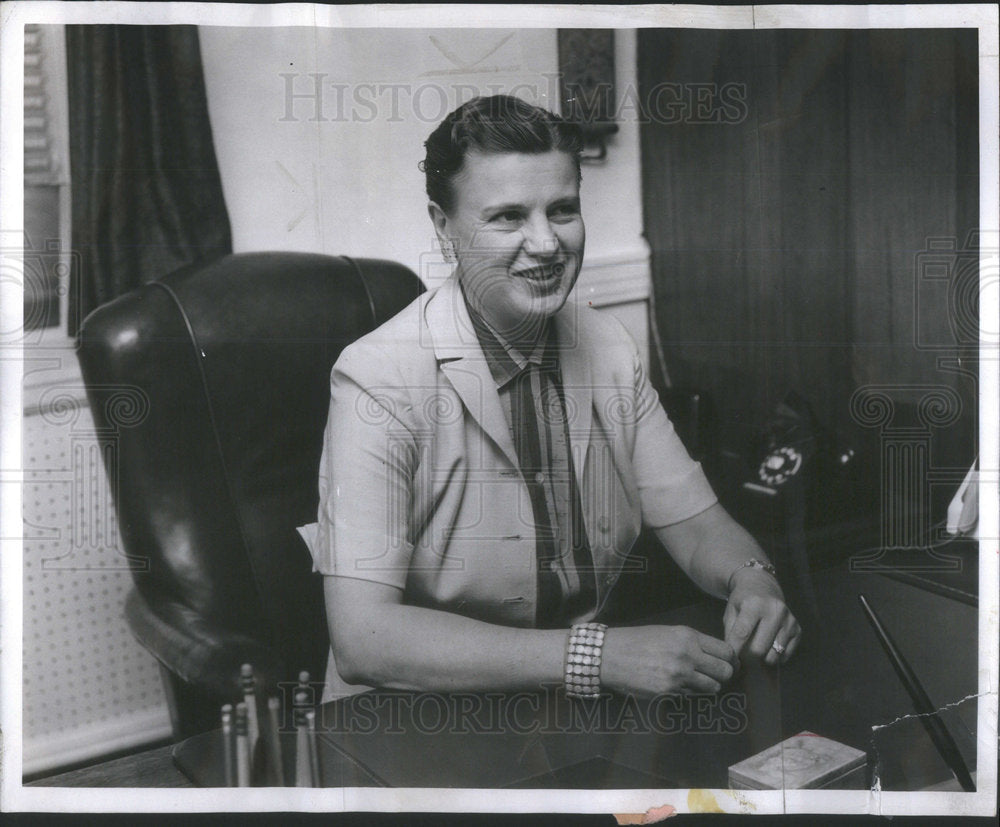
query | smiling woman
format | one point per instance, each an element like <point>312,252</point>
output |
<point>518,237</point>
<point>506,206</point>
<point>492,451</point>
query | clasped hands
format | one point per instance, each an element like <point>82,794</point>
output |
<point>653,660</point>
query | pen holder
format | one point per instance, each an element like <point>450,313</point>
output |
<point>255,753</point>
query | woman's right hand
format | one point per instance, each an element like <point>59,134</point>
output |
<point>654,660</point>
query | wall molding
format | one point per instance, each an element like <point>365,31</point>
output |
<point>33,407</point>
<point>94,740</point>
<point>615,278</point>
<point>47,368</point>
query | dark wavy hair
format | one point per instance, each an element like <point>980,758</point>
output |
<point>495,124</point>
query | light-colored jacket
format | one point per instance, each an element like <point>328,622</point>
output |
<point>419,482</point>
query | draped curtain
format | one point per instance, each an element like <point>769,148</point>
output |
<point>146,192</point>
<point>792,218</point>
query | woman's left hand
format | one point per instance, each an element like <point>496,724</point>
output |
<point>757,618</point>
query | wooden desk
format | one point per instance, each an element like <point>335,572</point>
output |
<point>153,768</point>
<point>839,685</point>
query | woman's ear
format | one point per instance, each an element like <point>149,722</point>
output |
<point>440,221</point>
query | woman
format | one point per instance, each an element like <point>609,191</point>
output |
<point>492,451</point>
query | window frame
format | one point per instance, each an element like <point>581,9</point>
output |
<point>49,353</point>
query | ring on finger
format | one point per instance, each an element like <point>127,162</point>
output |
<point>778,648</point>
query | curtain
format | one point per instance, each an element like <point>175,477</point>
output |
<point>146,192</point>
<point>796,187</point>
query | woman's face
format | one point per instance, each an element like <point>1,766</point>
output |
<point>518,235</point>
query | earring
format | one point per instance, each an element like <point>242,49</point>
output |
<point>448,249</point>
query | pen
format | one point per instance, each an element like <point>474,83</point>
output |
<point>935,727</point>
<point>305,687</point>
<point>227,745</point>
<point>303,768</point>
<point>274,736</point>
<point>242,747</point>
<point>249,685</point>
<point>313,749</point>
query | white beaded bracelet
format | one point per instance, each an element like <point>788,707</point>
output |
<point>582,676</point>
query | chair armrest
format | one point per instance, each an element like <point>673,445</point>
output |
<point>197,651</point>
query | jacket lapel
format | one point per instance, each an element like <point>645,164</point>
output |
<point>577,378</point>
<point>461,359</point>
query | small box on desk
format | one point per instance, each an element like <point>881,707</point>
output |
<point>802,762</point>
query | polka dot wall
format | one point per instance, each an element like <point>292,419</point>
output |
<point>82,667</point>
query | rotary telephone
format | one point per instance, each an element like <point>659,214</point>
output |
<point>792,441</point>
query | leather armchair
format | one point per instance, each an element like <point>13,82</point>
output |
<point>224,372</point>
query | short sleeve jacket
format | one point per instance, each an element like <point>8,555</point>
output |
<point>419,482</point>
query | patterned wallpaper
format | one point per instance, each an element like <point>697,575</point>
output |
<point>88,686</point>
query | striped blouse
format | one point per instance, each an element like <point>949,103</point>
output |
<point>530,390</point>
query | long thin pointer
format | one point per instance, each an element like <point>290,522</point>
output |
<point>942,739</point>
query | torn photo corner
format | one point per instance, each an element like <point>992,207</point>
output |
<point>790,212</point>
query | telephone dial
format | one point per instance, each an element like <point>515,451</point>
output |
<point>792,441</point>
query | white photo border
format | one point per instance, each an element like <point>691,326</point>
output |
<point>15,797</point>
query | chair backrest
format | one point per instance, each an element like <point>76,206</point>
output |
<point>224,368</point>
